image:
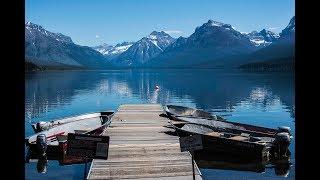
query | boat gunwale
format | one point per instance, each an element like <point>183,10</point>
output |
<point>98,115</point>
<point>173,114</point>
<point>75,116</point>
<point>217,137</point>
<point>270,132</point>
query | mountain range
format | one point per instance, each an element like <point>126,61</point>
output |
<point>262,38</point>
<point>211,41</point>
<point>278,55</point>
<point>49,50</point>
<point>213,44</point>
<point>110,51</point>
<point>139,53</point>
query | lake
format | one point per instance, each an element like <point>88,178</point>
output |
<point>264,99</point>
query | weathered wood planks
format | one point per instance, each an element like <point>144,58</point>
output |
<point>141,147</point>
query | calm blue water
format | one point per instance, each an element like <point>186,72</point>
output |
<point>264,99</point>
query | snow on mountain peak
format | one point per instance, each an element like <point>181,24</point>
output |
<point>263,37</point>
<point>111,50</point>
<point>215,23</point>
<point>124,44</point>
<point>152,37</point>
<point>269,34</point>
<point>34,30</point>
<point>218,24</point>
<point>145,49</point>
<point>156,35</point>
<point>31,25</point>
<point>158,40</point>
<point>28,23</point>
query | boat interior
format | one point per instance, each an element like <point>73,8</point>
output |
<point>236,127</point>
<point>184,111</point>
<point>203,130</point>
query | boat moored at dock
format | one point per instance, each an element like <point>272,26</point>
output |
<point>240,144</point>
<point>235,127</point>
<point>174,111</point>
<point>53,140</point>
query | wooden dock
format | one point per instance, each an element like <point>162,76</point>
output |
<point>141,147</point>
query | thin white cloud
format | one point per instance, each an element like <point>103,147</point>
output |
<point>97,36</point>
<point>272,28</point>
<point>173,32</point>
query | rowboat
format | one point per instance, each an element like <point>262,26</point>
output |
<point>174,111</point>
<point>235,127</point>
<point>53,140</point>
<point>45,125</point>
<point>237,143</point>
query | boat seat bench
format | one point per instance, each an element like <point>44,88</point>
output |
<point>215,134</point>
<point>239,138</point>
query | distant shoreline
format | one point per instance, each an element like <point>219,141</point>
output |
<point>285,65</point>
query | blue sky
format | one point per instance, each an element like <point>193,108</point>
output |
<point>93,22</point>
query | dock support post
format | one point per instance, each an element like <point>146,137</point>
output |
<point>85,169</point>
<point>192,159</point>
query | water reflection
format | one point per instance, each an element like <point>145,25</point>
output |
<point>224,161</point>
<point>205,89</point>
<point>42,164</point>
<point>265,99</point>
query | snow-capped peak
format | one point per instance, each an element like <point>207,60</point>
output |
<point>124,44</point>
<point>33,29</point>
<point>29,24</point>
<point>215,23</point>
<point>218,24</point>
<point>160,39</point>
<point>269,34</point>
<point>156,35</point>
<point>145,49</point>
<point>110,50</point>
<point>152,37</point>
<point>264,37</point>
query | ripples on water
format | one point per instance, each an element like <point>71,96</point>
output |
<point>264,99</point>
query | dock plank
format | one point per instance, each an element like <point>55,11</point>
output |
<point>142,147</point>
